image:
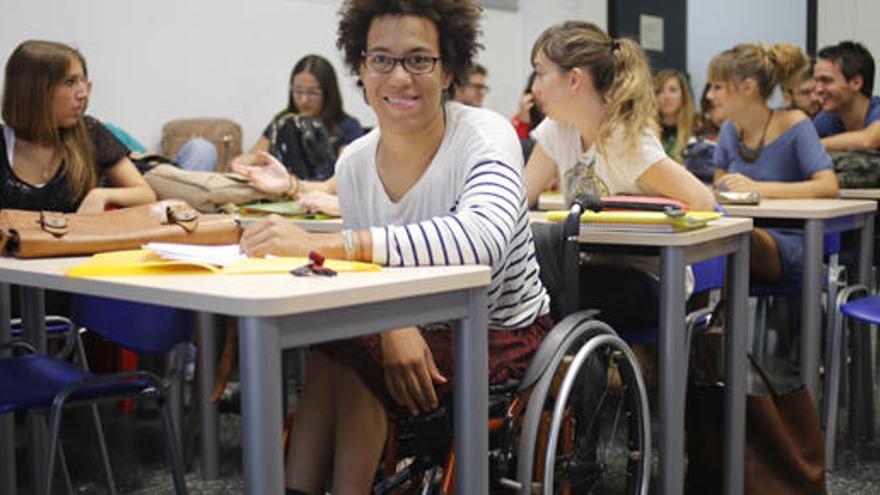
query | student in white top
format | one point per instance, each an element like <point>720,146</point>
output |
<point>601,137</point>
<point>434,184</point>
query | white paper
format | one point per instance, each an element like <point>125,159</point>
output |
<point>215,255</point>
<point>651,32</point>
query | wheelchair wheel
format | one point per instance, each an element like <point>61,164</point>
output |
<point>586,427</point>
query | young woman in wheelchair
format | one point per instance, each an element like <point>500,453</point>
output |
<point>601,137</point>
<point>436,183</point>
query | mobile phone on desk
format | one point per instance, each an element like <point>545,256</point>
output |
<point>738,198</point>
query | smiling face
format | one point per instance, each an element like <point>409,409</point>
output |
<point>566,95</point>
<point>70,96</point>
<point>405,103</point>
<point>307,94</point>
<point>832,88</point>
<point>669,99</point>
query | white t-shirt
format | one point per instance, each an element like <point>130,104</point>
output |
<point>469,207</point>
<point>587,171</point>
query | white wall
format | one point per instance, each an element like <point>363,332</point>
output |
<point>856,20</point>
<point>153,61</point>
<point>716,25</point>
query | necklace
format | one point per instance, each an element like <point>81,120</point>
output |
<point>750,155</point>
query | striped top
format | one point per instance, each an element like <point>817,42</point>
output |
<point>468,207</point>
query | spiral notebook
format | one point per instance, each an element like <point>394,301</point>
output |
<point>638,221</point>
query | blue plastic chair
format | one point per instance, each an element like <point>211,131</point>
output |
<point>866,310</point>
<point>35,381</point>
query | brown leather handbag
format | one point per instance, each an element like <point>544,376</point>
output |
<point>37,234</point>
<point>784,451</point>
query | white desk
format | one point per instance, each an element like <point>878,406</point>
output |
<point>281,311</point>
<point>860,194</point>
<point>322,226</point>
<point>816,217</point>
<point>725,236</point>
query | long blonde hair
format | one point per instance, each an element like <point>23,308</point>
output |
<point>33,71</point>
<point>620,73</point>
<point>684,120</point>
<point>779,65</point>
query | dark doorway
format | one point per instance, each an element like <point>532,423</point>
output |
<point>627,18</point>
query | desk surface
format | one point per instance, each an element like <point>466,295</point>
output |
<point>717,229</point>
<point>551,200</point>
<point>325,226</point>
<point>860,194</point>
<point>806,209</point>
<point>249,295</point>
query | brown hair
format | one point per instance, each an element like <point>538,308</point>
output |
<point>781,64</point>
<point>332,113</point>
<point>619,70</point>
<point>457,24</point>
<point>33,71</point>
<point>684,121</point>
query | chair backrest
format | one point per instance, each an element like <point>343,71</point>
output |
<point>142,328</point>
<point>224,133</point>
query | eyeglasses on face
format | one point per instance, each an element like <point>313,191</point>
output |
<point>306,92</point>
<point>482,88</point>
<point>381,63</point>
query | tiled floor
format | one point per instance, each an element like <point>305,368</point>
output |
<point>137,453</point>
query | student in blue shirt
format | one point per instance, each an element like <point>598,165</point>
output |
<point>850,116</point>
<point>774,152</point>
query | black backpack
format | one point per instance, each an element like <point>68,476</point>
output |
<point>303,145</point>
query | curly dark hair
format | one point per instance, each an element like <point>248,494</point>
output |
<point>457,24</point>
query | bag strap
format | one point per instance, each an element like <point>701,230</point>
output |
<point>764,376</point>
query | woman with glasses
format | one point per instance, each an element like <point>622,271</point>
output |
<point>52,155</point>
<point>436,183</point>
<point>314,93</point>
<point>776,153</point>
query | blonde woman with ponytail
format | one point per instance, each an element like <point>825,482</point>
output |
<point>675,112</point>
<point>776,153</point>
<point>53,156</point>
<point>601,137</point>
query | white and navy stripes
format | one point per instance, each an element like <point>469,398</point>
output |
<point>468,207</point>
<point>489,226</point>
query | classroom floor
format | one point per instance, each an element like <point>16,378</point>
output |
<point>142,470</point>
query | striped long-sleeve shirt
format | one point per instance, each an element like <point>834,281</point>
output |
<point>468,207</point>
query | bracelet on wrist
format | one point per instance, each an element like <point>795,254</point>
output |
<point>349,244</point>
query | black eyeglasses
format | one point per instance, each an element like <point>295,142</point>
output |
<point>381,63</point>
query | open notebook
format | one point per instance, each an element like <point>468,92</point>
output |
<point>188,259</point>
<point>638,221</point>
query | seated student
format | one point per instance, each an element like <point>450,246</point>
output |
<point>850,116</point>
<point>314,92</point>
<point>675,111</point>
<point>436,183</point>
<point>802,94</point>
<point>527,117</point>
<point>473,88</point>
<point>600,137</point>
<point>774,152</point>
<point>697,155</point>
<point>52,155</point>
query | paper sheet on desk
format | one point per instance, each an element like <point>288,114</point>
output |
<point>145,262</point>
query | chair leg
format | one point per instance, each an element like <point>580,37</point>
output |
<point>832,389</point>
<point>102,446</point>
<point>760,328</point>
<point>54,441</point>
<point>175,458</point>
<point>64,471</point>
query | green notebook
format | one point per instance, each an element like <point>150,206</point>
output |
<point>290,209</point>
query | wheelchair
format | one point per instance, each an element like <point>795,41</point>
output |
<point>577,421</point>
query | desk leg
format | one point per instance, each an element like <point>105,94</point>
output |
<point>33,313</point>
<point>7,421</point>
<point>735,367</point>
<point>260,364</point>
<point>208,417</point>
<point>472,397</point>
<point>811,306</point>
<point>673,370</point>
<point>861,391</point>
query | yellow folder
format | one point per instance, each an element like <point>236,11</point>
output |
<point>144,262</point>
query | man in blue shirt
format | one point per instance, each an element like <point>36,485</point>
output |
<point>850,116</point>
